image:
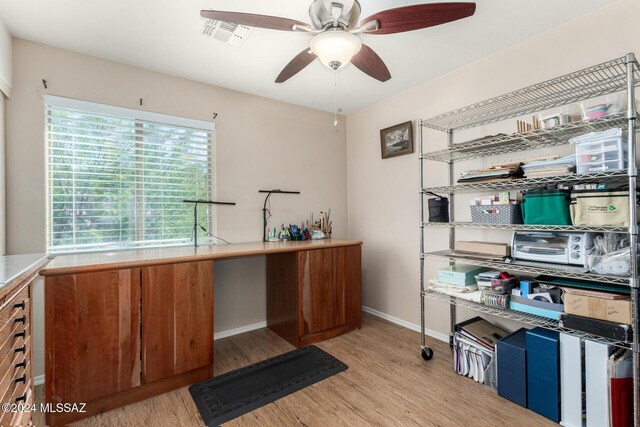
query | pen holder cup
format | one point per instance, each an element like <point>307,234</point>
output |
<point>438,209</point>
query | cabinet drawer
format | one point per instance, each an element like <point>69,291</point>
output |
<point>18,373</point>
<point>19,418</point>
<point>17,333</point>
<point>20,392</point>
<point>16,304</point>
<point>14,360</point>
<point>14,315</point>
<point>16,336</point>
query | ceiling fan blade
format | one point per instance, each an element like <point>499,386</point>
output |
<point>370,63</point>
<point>297,64</point>
<point>253,20</point>
<point>419,16</point>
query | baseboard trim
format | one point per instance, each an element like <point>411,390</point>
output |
<point>39,379</point>
<point>405,324</point>
<point>240,330</point>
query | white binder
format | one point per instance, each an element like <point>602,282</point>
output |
<point>597,383</point>
<point>570,381</point>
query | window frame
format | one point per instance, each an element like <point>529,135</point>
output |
<point>139,118</point>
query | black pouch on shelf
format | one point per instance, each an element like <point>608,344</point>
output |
<point>438,208</point>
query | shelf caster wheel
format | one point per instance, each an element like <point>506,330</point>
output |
<point>427,353</point>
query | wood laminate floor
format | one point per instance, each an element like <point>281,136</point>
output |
<point>387,384</point>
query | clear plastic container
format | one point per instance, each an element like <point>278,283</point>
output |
<point>600,151</point>
<point>496,286</point>
<point>598,108</point>
<point>551,120</point>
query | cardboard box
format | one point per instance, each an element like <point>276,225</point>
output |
<point>488,248</point>
<point>461,275</point>
<point>612,310</point>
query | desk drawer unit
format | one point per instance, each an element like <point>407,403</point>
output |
<point>16,384</point>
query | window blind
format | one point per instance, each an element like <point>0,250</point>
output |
<point>117,177</point>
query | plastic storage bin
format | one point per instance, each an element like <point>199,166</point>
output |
<point>601,151</point>
<point>603,107</point>
<point>496,214</point>
<point>496,286</point>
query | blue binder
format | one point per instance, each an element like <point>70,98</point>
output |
<point>543,372</point>
<point>512,367</point>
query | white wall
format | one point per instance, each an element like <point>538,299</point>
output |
<point>383,194</point>
<point>5,90</point>
<point>260,144</point>
<point>2,175</point>
<point>5,60</point>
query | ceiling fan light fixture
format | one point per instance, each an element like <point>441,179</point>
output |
<point>335,48</point>
<point>334,24</point>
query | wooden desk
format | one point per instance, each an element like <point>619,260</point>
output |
<point>123,326</point>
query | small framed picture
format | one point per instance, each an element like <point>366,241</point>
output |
<point>397,140</point>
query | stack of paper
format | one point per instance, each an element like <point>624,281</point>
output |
<point>435,284</point>
<point>481,331</point>
<point>462,292</point>
<point>561,166</point>
<point>497,172</point>
<point>471,360</point>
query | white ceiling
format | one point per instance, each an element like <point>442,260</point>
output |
<point>164,35</point>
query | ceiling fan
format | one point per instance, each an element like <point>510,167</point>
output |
<point>336,26</point>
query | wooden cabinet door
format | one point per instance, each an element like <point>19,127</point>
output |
<point>347,269</point>
<point>330,288</point>
<point>92,323</point>
<point>177,319</point>
<point>282,296</point>
<point>322,305</point>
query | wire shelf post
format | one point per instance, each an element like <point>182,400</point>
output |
<point>452,233</point>
<point>423,343</point>
<point>633,230</point>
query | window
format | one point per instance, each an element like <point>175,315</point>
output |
<point>117,177</point>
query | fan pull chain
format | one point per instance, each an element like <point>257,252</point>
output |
<point>336,85</point>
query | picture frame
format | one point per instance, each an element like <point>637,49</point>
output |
<point>396,140</point>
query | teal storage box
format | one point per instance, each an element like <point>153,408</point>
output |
<point>537,311</point>
<point>546,207</point>
<point>461,275</point>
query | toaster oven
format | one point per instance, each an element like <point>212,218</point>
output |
<point>553,247</point>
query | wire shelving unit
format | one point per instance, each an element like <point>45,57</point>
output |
<point>621,74</point>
